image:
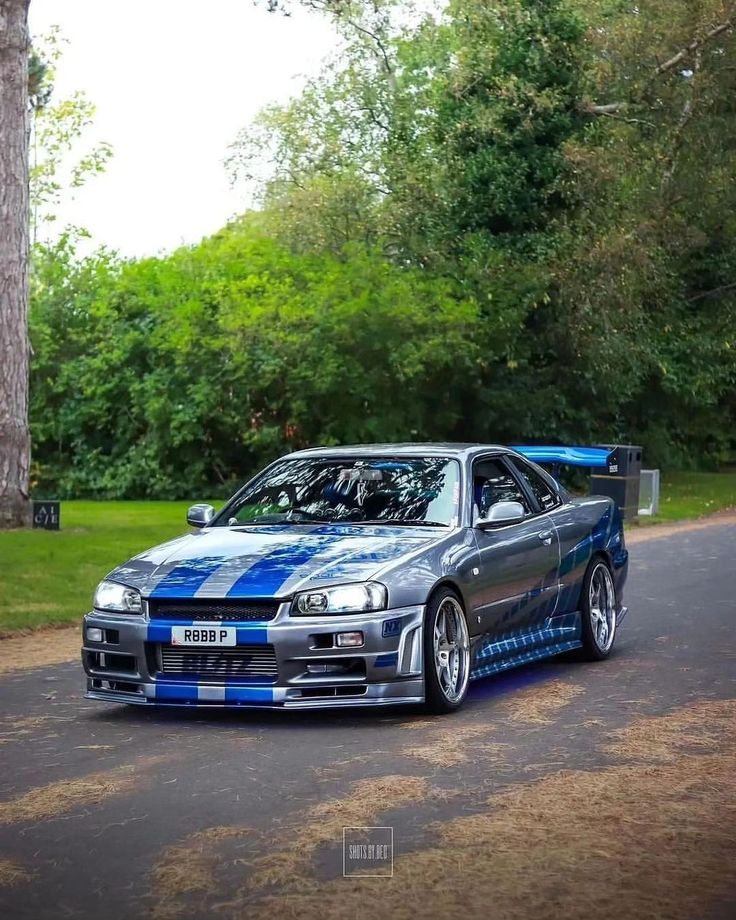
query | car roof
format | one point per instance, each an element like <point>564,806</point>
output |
<point>402,449</point>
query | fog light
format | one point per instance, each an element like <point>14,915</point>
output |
<point>95,635</point>
<point>349,640</point>
<point>335,668</point>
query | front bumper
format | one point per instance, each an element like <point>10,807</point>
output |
<point>127,666</point>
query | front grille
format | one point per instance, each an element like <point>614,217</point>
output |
<point>233,610</point>
<point>243,661</point>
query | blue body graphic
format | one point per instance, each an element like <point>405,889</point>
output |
<point>391,628</point>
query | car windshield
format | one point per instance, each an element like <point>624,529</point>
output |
<point>382,490</point>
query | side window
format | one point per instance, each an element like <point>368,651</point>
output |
<point>543,492</point>
<point>493,483</point>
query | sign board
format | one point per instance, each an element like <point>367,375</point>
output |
<point>47,515</point>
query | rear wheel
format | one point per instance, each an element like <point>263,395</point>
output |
<point>599,607</point>
<point>446,653</point>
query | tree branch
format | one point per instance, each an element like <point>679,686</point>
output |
<point>614,110</point>
<point>383,126</point>
<point>682,123</point>
<point>714,293</point>
<point>695,45</point>
<point>340,10</point>
<point>610,108</point>
<point>383,53</point>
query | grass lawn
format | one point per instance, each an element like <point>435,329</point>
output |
<point>48,578</point>
<point>691,495</point>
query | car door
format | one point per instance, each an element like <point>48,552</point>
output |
<point>552,509</point>
<point>576,524</point>
<point>517,579</point>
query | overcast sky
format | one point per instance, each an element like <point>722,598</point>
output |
<point>173,82</point>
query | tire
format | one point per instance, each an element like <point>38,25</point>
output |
<point>599,608</point>
<point>446,653</point>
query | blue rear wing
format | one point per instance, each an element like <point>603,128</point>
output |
<point>596,457</point>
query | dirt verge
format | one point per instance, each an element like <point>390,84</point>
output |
<point>659,531</point>
<point>39,648</point>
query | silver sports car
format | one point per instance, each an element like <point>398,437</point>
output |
<point>356,576</point>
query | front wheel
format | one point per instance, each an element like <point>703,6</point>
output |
<point>446,653</point>
<point>599,607</point>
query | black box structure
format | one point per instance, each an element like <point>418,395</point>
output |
<point>620,480</point>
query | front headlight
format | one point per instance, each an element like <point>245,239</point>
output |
<point>360,598</point>
<point>112,596</point>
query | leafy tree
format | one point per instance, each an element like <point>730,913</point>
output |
<point>164,376</point>
<point>573,180</point>
<point>58,126</point>
<point>649,265</point>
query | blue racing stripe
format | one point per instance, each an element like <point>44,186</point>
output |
<point>252,635</point>
<point>385,661</point>
<point>185,579</point>
<point>354,564</point>
<point>188,693</point>
<point>160,632</point>
<point>268,574</point>
<point>181,693</point>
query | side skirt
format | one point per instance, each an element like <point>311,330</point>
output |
<point>559,634</point>
<point>503,664</point>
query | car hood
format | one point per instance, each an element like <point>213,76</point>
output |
<point>269,561</point>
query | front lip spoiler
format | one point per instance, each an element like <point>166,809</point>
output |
<point>136,699</point>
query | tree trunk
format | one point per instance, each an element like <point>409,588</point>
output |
<point>15,441</point>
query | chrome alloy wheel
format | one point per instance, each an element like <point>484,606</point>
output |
<point>602,606</point>
<point>451,649</point>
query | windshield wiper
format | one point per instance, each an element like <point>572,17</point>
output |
<point>402,522</point>
<point>271,519</point>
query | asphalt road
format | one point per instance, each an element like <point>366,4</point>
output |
<point>562,790</point>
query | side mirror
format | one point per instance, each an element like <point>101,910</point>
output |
<point>502,513</point>
<point>200,515</point>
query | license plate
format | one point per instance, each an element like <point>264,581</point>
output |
<point>204,634</point>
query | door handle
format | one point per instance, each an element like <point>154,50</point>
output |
<point>545,536</point>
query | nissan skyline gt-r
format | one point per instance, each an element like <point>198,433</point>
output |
<point>356,576</point>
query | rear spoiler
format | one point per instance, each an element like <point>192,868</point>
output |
<point>597,457</point>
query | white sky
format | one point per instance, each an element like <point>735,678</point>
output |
<point>173,82</point>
